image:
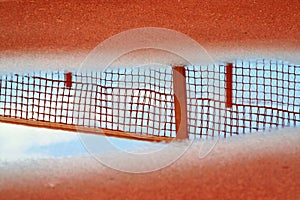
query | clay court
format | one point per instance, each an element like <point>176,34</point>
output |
<point>247,167</point>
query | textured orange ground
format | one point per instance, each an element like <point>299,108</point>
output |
<point>69,25</point>
<point>235,173</point>
<point>42,25</point>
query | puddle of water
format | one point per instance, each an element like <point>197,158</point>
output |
<point>20,142</point>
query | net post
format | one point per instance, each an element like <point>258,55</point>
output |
<point>229,67</point>
<point>68,79</point>
<point>180,101</point>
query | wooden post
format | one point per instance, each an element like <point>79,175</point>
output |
<point>68,79</point>
<point>229,85</point>
<point>179,84</point>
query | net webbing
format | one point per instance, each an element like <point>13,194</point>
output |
<point>265,95</point>
<point>140,101</point>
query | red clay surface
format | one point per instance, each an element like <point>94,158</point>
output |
<point>75,25</point>
<point>243,172</point>
<point>69,25</point>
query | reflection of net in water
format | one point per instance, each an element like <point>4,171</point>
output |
<point>140,101</point>
<point>265,94</point>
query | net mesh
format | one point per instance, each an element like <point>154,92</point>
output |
<point>265,95</point>
<point>205,105</point>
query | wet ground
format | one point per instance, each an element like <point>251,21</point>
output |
<point>257,168</point>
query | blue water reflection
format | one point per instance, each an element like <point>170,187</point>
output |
<point>20,142</point>
<point>259,87</point>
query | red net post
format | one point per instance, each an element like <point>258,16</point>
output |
<point>68,79</point>
<point>229,85</point>
<point>180,102</point>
